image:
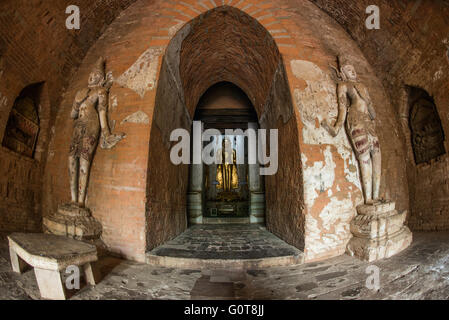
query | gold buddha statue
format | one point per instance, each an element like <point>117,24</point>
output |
<point>227,175</point>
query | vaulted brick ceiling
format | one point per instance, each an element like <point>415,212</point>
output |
<point>228,45</point>
<point>408,45</point>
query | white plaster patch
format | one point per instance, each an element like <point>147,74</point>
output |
<point>307,70</point>
<point>174,29</point>
<point>320,96</point>
<point>318,102</point>
<point>138,117</point>
<point>438,75</point>
<point>331,230</point>
<point>329,219</point>
<point>334,231</point>
<point>318,136</point>
<point>141,76</point>
<point>318,178</point>
<point>114,102</point>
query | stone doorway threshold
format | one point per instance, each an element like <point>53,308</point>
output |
<point>237,246</point>
<point>224,220</point>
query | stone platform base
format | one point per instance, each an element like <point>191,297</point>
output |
<point>73,222</point>
<point>378,232</point>
<point>238,246</point>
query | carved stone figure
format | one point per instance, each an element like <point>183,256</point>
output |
<point>89,112</point>
<point>356,111</point>
<point>427,133</point>
<point>378,230</point>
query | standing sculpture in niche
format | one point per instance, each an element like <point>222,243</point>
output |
<point>227,175</point>
<point>89,113</point>
<point>378,230</point>
<point>356,111</point>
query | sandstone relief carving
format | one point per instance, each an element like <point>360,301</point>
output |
<point>91,124</point>
<point>356,112</point>
<point>141,76</point>
<point>327,227</point>
<point>427,132</point>
<point>22,128</point>
<point>378,230</point>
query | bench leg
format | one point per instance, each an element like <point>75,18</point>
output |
<point>50,284</point>
<point>17,263</point>
<point>89,274</point>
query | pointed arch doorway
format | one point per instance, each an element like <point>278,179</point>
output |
<point>223,46</point>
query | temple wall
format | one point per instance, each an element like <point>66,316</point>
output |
<point>332,187</point>
<point>20,175</point>
<point>117,185</point>
<point>311,199</point>
<point>409,49</point>
<point>35,48</point>
<point>136,213</point>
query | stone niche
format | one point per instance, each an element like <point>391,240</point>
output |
<point>22,128</point>
<point>427,134</point>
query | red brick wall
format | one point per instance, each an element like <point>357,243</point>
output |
<point>408,50</point>
<point>21,176</point>
<point>35,47</point>
<point>117,186</point>
<point>140,197</point>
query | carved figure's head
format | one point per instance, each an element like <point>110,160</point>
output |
<point>345,71</point>
<point>97,75</point>
<point>348,71</point>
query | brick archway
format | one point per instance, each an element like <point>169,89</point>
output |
<point>137,194</point>
<point>222,44</point>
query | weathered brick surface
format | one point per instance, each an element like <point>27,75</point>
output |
<point>35,47</point>
<point>21,177</point>
<point>410,49</point>
<point>227,45</point>
<point>139,196</point>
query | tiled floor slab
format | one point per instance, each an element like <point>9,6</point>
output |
<point>419,272</point>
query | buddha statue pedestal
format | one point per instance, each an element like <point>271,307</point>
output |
<point>378,232</point>
<point>228,196</point>
<point>74,222</point>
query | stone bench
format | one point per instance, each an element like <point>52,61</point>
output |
<point>50,255</point>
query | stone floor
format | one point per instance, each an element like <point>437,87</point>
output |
<point>419,272</point>
<point>241,241</point>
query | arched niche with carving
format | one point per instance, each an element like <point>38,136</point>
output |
<point>23,126</point>
<point>427,135</point>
